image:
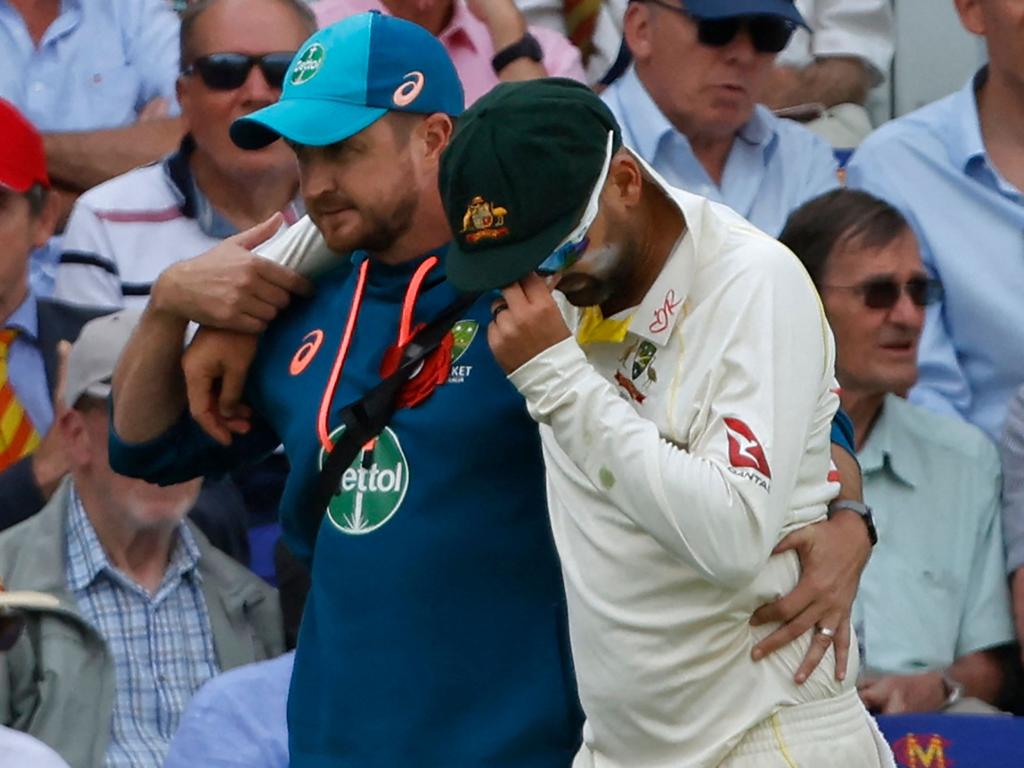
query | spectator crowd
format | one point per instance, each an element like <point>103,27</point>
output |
<point>145,624</point>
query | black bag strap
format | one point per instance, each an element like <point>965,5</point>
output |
<point>366,418</point>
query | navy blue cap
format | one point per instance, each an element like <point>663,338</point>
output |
<point>349,75</point>
<point>725,9</point>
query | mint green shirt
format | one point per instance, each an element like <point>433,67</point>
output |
<point>935,587</point>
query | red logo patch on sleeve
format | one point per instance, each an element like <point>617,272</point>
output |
<point>745,451</point>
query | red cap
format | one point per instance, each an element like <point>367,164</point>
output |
<point>22,158</point>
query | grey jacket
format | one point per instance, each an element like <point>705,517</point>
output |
<point>57,682</point>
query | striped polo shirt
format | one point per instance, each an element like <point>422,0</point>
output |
<point>125,232</point>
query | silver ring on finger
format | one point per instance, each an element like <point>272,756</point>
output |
<point>497,308</point>
<point>829,633</point>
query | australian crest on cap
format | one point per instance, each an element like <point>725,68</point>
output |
<point>308,64</point>
<point>483,221</point>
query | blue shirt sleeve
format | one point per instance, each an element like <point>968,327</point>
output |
<point>878,167</point>
<point>842,432</point>
<point>185,451</point>
<point>237,720</point>
<point>1013,483</point>
<point>153,52</point>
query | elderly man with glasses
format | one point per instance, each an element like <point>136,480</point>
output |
<point>933,609</point>
<point>689,106</point>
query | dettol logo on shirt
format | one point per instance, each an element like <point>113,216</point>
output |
<point>373,488</point>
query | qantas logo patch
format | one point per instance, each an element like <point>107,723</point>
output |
<point>745,451</point>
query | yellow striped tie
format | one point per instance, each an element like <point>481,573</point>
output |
<point>18,437</point>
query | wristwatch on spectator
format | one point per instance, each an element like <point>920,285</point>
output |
<point>954,690</point>
<point>525,47</point>
<point>859,508</point>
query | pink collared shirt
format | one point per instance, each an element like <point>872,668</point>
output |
<point>469,44</point>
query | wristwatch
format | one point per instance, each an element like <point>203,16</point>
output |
<point>954,689</point>
<point>525,47</point>
<point>861,509</point>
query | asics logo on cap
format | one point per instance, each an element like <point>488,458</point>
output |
<point>308,64</point>
<point>406,93</point>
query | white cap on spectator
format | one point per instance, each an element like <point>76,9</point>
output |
<point>93,357</point>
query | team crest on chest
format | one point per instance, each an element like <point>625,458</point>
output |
<point>373,488</point>
<point>636,371</point>
<point>463,333</point>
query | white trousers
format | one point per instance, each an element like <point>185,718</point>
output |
<point>836,732</point>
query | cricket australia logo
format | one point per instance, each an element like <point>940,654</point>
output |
<point>308,65</point>
<point>373,488</point>
<point>463,333</point>
<point>637,361</point>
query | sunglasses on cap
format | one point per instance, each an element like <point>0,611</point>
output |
<point>575,244</point>
<point>769,34</point>
<point>885,292</point>
<point>228,71</point>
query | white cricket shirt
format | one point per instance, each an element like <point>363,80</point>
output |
<point>676,460</point>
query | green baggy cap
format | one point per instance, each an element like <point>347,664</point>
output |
<point>517,176</point>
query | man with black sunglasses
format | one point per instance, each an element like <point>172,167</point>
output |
<point>933,610</point>
<point>689,106</point>
<point>123,234</point>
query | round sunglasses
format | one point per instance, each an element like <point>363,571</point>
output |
<point>885,292</point>
<point>228,71</point>
<point>768,34</point>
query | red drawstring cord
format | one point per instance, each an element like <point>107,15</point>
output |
<point>409,303</point>
<point>404,334</point>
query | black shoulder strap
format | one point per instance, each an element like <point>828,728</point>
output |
<point>366,417</point>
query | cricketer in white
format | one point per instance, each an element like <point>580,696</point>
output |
<point>678,455</point>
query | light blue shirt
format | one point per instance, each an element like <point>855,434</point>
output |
<point>161,643</point>
<point>237,720</point>
<point>96,66</point>
<point>25,366</point>
<point>1013,483</point>
<point>20,749</point>
<point>969,221</point>
<point>935,587</point>
<point>774,166</point>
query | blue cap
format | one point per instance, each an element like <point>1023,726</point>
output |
<point>348,76</point>
<point>725,9</point>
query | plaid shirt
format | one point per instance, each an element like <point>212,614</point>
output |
<point>161,644</point>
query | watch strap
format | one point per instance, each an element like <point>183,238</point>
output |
<point>859,508</point>
<point>954,689</point>
<point>526,47</point>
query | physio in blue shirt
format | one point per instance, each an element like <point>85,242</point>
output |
<point>688,106</point>
<point>435,632</point>
<point>953,169</point>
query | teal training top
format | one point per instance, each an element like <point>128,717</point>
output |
<point>435,631</point>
